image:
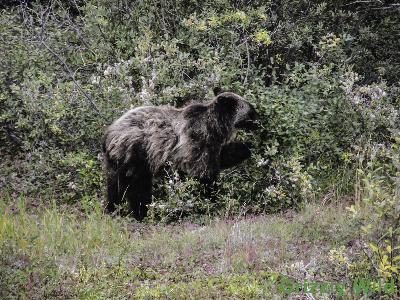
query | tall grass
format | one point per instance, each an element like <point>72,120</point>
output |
<point>55,253</point>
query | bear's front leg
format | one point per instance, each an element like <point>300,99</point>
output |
<point>234,153</point>
<point>209,188</point>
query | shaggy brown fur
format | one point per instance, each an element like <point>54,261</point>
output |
<point>193,139</point>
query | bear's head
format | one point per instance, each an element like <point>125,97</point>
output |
<point>245,116</point>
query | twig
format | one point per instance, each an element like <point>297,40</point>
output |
<point>43,18</point>
<point>75,28</point>
<point>16,139</point>
<point>392,6</point>
<point>361,1</point>
<point>248,62</point>
<point>71,75</point>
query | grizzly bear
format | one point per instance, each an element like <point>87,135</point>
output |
<point>195,140</point>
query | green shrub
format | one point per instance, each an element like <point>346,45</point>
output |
<point>71,69</point>
<point>376,214</point>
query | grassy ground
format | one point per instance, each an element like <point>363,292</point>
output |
<point>55,253</point>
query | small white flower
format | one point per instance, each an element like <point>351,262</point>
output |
<point>96,80</point>
<point>262,162</point>
<point>108,71</point>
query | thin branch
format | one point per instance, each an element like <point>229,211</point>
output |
<point>44,18</point>
<point>76,28</point>
<point>392,6</point>
<point>248,62</point>
<point>8,131</point>
<point>72,76</point>
<point>361,1</point>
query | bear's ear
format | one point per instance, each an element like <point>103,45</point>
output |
<point>218,90</point>
<point>226,103</point>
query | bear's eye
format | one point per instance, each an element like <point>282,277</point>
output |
<point>195,135</point>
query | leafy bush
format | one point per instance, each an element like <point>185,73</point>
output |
<point>376,214</point>
<point>72,68</point>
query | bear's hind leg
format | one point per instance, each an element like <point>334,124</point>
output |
<point>112,193</point>
<point>139,195</point>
